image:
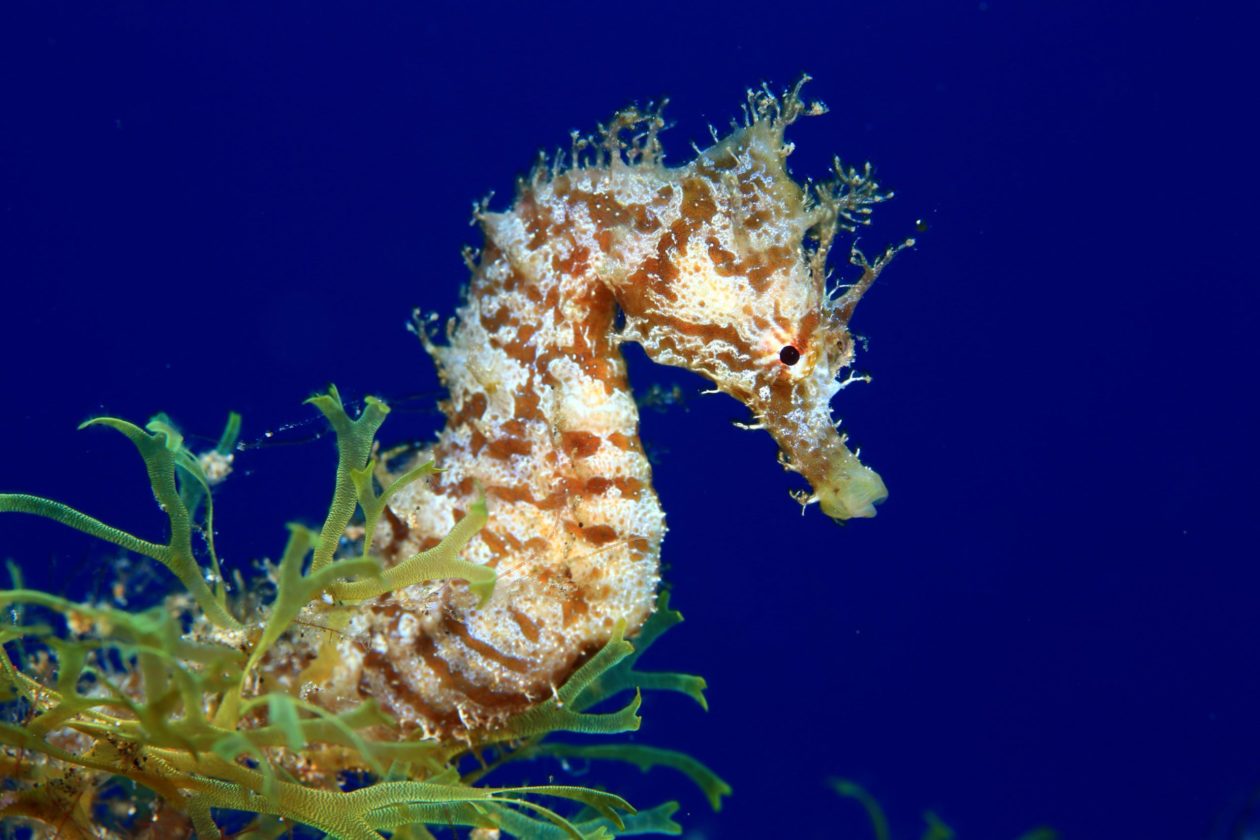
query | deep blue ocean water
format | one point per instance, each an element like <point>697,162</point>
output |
<point>1055,618</point>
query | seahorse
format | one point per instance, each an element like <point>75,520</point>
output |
<point>718,266</point>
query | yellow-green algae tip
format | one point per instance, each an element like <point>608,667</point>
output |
<point>164,711</point>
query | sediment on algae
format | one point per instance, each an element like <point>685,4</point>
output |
<point>160,723</point>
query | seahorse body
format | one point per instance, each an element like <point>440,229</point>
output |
<point>709,267</point>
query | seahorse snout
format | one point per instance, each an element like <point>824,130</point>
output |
<point>848,489</point>
<point>842,485</point>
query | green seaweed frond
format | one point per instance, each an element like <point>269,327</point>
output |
<point>874,811</point>
<point>163,742</point>
<point>609,673</point>
<point>170,467</point>
<point>645,758</point>
<point>166,706</point>
<point>934,827</point>
<point>623,677</point>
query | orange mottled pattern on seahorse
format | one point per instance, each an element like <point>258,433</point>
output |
<point>717,266</point>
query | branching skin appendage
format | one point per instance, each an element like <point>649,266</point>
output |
<point>452,613</point>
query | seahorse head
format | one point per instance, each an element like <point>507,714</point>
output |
<point>736,289</point>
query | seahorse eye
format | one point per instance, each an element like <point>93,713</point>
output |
<point>789,355</point>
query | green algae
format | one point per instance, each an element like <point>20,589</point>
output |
<point>934,827</point>
<point>163,708</point>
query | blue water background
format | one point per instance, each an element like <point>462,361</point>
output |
<point>1055,617</point>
